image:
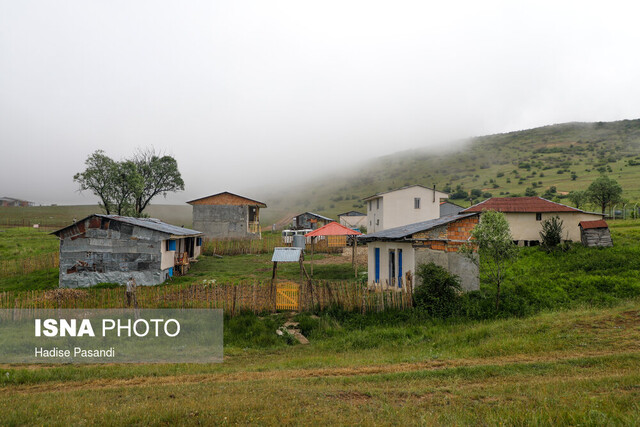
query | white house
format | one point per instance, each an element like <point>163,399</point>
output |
<point>394,252</point>
<point>525,216</point>
<point>407,205</point>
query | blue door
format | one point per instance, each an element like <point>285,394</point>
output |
<point>377,258</point>
<point>399,268</point>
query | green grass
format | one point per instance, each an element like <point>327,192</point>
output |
<point>21,243</point>
<point>260,268</point>
<point>561,367</point>
<point>61,215</point>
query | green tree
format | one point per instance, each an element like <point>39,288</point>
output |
<point>100,178</point>
<point>127,187</point>
<point>492,241</point>
<point>579,198</point>
<point>551,233</point>
<point>604,191</point>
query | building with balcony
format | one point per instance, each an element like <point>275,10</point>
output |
<point>227,216</point>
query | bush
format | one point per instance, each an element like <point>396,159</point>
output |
<point>439,292</point>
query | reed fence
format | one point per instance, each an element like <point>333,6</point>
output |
<point>10,268</point>
<point>257,246</point>
<point>233,298</point>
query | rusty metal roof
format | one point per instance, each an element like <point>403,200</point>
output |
<point>520,204</point>
<point>286,254</point>
<point>601,223</point>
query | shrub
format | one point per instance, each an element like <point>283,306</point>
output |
<point>551,234</point>
<point>439,292</point>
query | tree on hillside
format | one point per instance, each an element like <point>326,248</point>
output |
<point>492,240</point>
<point>578,198</point>
<point>604,191</point>
<point>126,187</point>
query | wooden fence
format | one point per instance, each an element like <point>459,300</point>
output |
<point>233,298</point>
<point>29,265</point>
<point>257,246</point>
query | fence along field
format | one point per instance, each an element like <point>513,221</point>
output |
<point>233,298</point>
<point>29,265</point>
<point>257,246</point>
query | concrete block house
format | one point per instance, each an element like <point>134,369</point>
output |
<point>403,206</point>
<point>227,216</point>
<point>394,252</point>
<point>112,248</point>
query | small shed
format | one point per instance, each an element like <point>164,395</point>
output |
<point>595,233</point>
<point>310,220</point>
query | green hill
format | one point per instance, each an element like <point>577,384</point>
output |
<point>566,156</point>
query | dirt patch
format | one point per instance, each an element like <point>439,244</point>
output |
<point>431,365</point>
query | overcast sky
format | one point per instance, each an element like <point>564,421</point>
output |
<point>238,91</point>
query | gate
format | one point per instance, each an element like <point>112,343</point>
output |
<point>287,296</point>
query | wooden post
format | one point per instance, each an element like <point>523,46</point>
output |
<point>354,255</point>
<point>272,291</point>
<point>313,238</point>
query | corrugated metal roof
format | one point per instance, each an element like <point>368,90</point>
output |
<point>333,229</point>
<point>352,213</point>
<point>286,254</point>
<point>150,223</point>
<point>316,215</point>
<point>601,223</point>
<point>520,204</point>
<point>410,229</point>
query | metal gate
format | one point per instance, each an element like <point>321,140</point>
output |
<point>287,296</point>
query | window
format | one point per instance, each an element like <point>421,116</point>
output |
<point>370,205</point>
<point>377,203</point>
<point>170,245</point>
<point>377,222</point>
<point>416,203</point>
<point>538,217</point>
<point>199,241</point>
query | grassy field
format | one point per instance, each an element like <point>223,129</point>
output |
<point>563,367</point>
<point>20,243</point>
<point>564,349</point>
<point>64,215</point>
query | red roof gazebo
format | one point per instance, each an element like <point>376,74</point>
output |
<point>334,229</point>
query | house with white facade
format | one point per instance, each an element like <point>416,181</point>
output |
<point>394,252</point>
<point>526,214</point>
<point>407,205</point>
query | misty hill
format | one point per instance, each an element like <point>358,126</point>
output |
<point>566,156</point>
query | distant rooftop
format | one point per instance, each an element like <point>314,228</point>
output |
<point>520,204</point>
